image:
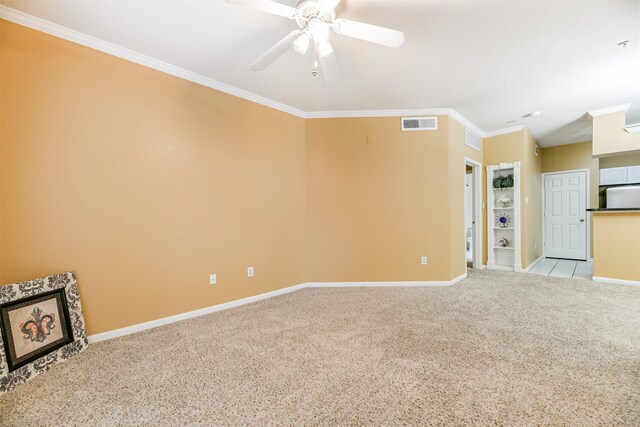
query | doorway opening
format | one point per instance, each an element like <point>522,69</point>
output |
<point>468,215</point>
<point>473,213</point>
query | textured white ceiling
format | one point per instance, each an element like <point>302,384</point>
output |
<point>492,61</point>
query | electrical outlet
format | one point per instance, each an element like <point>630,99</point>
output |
<point>423,261</point>
<point>212,279</point>
<point>250,272</point>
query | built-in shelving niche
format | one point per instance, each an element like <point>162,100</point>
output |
<point>503,257</point>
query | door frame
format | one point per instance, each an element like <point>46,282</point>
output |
<point>587,189</point>
<point>476,180</point>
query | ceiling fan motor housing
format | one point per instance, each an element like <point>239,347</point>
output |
<point>309,9</point>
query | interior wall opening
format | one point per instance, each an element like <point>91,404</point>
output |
<point>473,213</point>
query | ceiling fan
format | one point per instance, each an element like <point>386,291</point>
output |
<point>314,19</point>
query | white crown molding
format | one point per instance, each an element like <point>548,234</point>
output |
<point>608,110</point>
<point>377,113</point>
<point>466,123</point>
<point>236,303</point>
<point>48,27</point>
<point>504,131</point>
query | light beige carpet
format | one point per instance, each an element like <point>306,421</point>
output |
<point>497,348</point>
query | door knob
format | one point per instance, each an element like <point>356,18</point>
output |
<point>581,220</point>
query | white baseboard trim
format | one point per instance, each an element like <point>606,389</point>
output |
<point>384,284</point>
<point>616,281</point>
<point>236,303</point>
<point>458,279</point>
<point>499,268</point>
<point>530,266</point>
<point>188,315</point>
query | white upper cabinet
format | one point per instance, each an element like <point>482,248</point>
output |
<point>633,174</point>
<point>612,176</point>
<point>624,175</point>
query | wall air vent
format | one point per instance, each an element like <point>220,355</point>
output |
<point>471,139</point>
<point>419,123</point>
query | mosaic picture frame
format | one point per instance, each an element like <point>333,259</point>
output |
<point>41,324</point>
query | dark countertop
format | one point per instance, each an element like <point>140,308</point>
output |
<point>613,210</point>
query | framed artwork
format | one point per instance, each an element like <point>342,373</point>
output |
<point>41,324</point>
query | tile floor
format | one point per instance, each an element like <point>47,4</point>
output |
<point>563,268</point>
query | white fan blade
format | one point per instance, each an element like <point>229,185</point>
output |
<point>278,49</point>
<point>330,4</point>
<point>267,6</point>
<point>368,32</point>
<point>329,65</point>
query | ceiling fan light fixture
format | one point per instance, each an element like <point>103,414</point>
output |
<point>315,20</point>
<point>318,30</point>
<point>324,48</point>
<point>301,43</point>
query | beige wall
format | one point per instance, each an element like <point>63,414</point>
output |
<point>620,161</point>
<point>377,200</point>
<point>506,148</point>
<point>572,157</point>
<point>610,138</point>
<point>519,147</point>
<point>142,183</point>
<point>616,248</point>
<point>532,205</point>
<point>458,150</point>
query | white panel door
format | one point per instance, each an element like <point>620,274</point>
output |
<point>565,215</point>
